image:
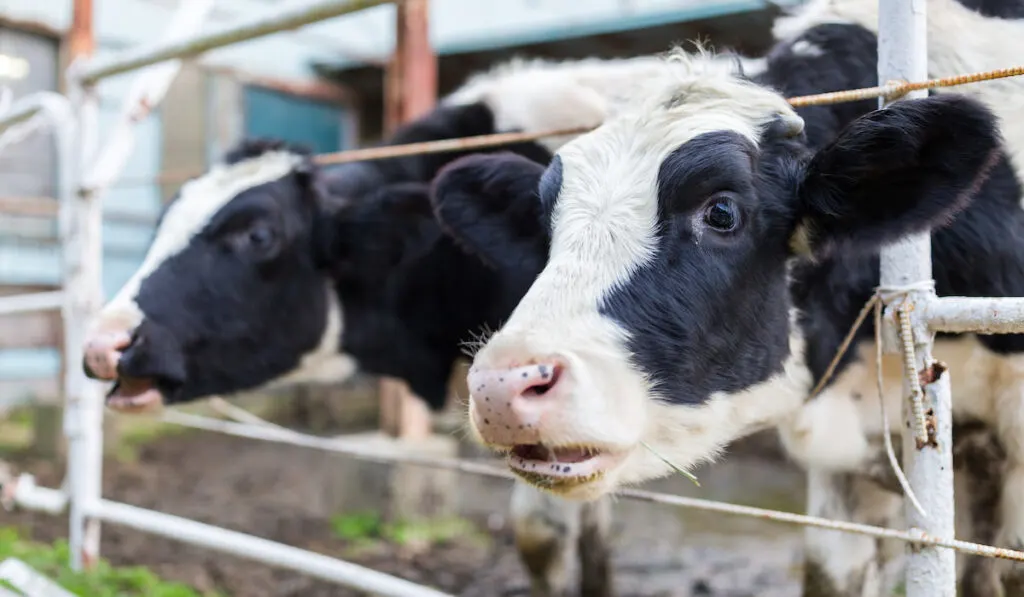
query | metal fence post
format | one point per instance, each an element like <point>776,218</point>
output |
<point>81,220</point>
<point>83,258</point>
<point>931,571</point>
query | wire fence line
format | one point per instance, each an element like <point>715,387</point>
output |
<point>889,91</point>
<point>258,429</point>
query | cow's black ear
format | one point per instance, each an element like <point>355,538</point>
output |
<point>373,234</point>
<point>490,205</point>
<point>904,169</point>
<point>305,172</point>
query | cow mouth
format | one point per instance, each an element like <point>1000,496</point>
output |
<point>560,468</point>
<point>135,395</point>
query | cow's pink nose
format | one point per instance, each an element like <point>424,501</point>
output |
<point>102,353</point>
<point>509,403</point>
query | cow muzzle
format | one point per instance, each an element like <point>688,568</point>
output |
<point>124,358</point>
<point>522,411</point>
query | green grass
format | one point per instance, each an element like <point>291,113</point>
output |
<point>133,432</point>
<point>15,431</point>
<point>364,529</point>
<point>103,580</point>
<point>136,432</point>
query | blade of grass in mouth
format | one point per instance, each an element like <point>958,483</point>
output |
<point>677,469</point>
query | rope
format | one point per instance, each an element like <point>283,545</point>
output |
<point>889,91</point>
<point>441,146</point>
<point>884,295</point>
<point>286,436</point>
<point>235,413</point>
<point>890,452</point>
<point>896,90</point>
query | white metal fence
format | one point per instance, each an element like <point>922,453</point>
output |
<point>913,313</point>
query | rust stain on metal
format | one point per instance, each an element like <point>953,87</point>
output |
<point>931,426</point>
<point>411,76</point>
<point>321,90</point>
<point>80,38</point>
<point>142,110</point>
<point>88,561</point>
<point>932,373</point>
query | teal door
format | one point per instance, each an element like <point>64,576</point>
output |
<point>318,125</point>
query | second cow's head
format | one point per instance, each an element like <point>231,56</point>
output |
<point>243,283</point>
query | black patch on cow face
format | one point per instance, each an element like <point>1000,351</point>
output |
<point>716,289</point>
<point>548,189</point>
<point>240,304</point>
<point>363,240</point>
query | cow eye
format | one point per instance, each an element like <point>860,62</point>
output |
<point>260,236</point>
<point>721,214</point>
<point>258,240</point>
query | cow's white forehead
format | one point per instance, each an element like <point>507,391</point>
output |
<point>621,158</point>
<point>605,215</point>
<point>198,201</point>
<point>201,198</point>
<point>610,174</point>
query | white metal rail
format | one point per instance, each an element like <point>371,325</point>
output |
<point>907,266</point>
<point>249,29</point>
<point>21,113</point>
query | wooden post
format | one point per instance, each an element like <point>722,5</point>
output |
<point>410,92</point>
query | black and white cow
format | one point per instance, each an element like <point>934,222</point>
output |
<point>708,249</point>
<point>267,270</point>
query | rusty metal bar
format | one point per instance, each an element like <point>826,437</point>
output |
<point>249,29</point>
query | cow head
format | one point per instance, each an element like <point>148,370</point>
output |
<point>663,315</point>
<point>241,286</point>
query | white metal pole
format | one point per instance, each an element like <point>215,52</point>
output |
<point>931,571</point>
<point>147,91</point>
<point>259,26</point>
<point>19,115</point>
<point>35,301</point>
<point>977,315</point>
<point>81,221</point>
<point>260,550</point>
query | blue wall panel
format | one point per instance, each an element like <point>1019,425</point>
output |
<point>269,113</point>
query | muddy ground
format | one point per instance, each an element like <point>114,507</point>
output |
<point>275,491</point>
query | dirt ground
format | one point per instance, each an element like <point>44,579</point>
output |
<point>275,491</point>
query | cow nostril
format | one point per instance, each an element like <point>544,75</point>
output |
<point>549,376</point>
